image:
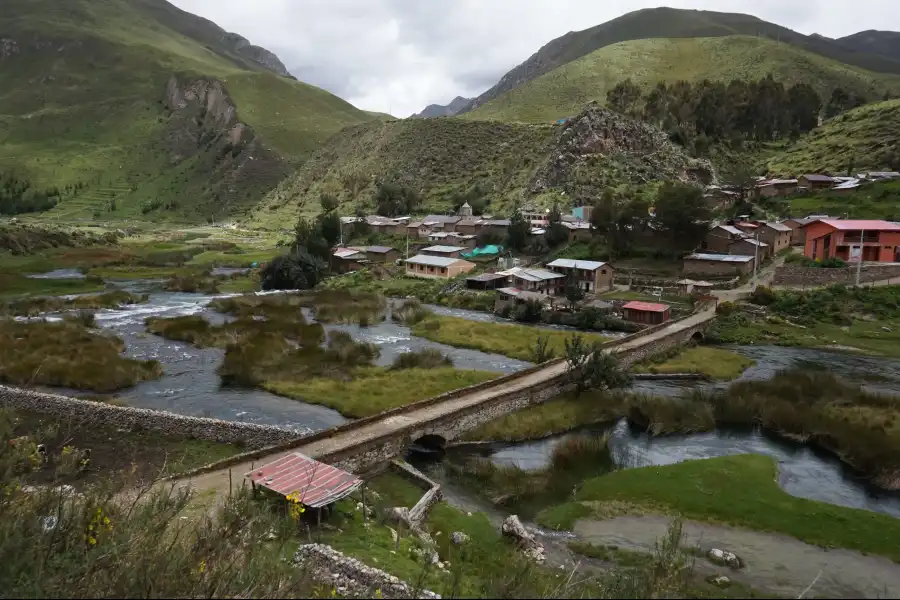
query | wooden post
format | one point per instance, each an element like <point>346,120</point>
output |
<point>365,518</point>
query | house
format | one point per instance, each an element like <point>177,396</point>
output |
<point>469,226</point>
<point>442,222</point>
<point>591,276</point>
<point>436,267</point>
<point>536,217</point>
<point>459,239</point>
<point>875,241</point>
<point>751,247</point>
<point>770,188</point>
<point>747,227</point>
<point>646,313</point>
<point>498,226</point>
<point>717,265</point>
<point>776,235</point>
<point>798,231</point>
<point>540,281</point>
<point>413,228</point>
<point>381,254</point>
<point>578,230</point>
<point>486,281</point>
<point>720,237</point>
<point>510,297</point>
<point>582,213</point>
<point>815,182</point>
<point>381,224</point>
<point>344,260</point>
<point>445,251</point>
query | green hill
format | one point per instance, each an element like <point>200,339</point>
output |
<point>445,158</point>
<point>136,104</point>
<point>565,90</point>
<point>866,138</point>
<point>667,22</point>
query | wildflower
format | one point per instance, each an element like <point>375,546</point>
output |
<point>202,568</point>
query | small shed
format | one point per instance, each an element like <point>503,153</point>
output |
<point>646,313</point>
<point>486,281</point>
<point>315,484</point>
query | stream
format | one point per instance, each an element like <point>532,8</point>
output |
<point>190,386</point>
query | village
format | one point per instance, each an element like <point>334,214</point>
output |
<point>732,253</point>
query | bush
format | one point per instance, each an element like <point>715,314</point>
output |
<point>423,359</point>
<point>762,295</point>
<point>726,308</point>
<point>528,312</point>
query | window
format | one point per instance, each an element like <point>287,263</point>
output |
<point>443,270</point>
<point>603,271</point>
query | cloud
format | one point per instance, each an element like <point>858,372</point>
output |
<point>400,55</point>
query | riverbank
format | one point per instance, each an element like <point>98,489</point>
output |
<point>735,490</point>
<point>515,341</point>
<point>715,363</point>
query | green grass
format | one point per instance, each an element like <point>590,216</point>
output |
<point>17,286</point>
<point>735,490</point>
<point>716,363</point>
<point>97,119</point>
<point>36,306</point>
<point>564,91</point>
<point>239,285</point>
<point>635,295</point>
<point>859,139</point>
<point>515,341</point>
<point>877,201</point>
<point>372,390</point>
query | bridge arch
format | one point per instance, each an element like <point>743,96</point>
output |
<point>430,445</point>
<point>697,336</point>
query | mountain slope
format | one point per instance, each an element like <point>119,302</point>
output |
<point>866,138</point>
<point>108,102</point>
<point>439,110</point>
<point>563,91</point>
<point>673,23</point>
<point>443,159</point>
<point>883,43</point>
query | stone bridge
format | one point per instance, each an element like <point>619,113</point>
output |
<point>359,445</point>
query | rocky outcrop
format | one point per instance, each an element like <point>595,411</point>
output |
<point>512,528</point>
<point>351,578</point>
<point>439,110</point>
<point>257,54</point>
<point>600,139</point>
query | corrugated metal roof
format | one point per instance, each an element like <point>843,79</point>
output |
<point>433,261</point>
<point>487,277</point>
<point>568,263</point>
<point>736,258</point>
<point>750,241</point>
<point>730,229</point>
<point>646,306</point>
<point>536,274</point>
<point>777,226</point>
<point>379,249</point>
<point>845,225</point>
<point>822,178</point>
<point>316,484</point>
<point>443,249</point>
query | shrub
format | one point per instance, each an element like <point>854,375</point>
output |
<point>726,308</point>
<point>423,359</point>
<point>762,295</point>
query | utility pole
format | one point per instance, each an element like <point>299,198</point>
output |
<point>407,242</point>
<point>755,259</point>
<point>862,236</point>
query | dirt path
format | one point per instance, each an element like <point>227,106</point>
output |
<point>777,564</point>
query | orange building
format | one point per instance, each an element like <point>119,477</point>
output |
<point>829,238</point>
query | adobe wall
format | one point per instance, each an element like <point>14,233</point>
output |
<point>250,435</point>
<point>812,276</point>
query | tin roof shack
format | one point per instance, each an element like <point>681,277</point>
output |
<point>436,267</point>
<point>445,251</point>
<point>646,313</point>
<point>304,480</point>
<point>776,235</point>
<point>344,260</point>
<point>814,182</point>
<point>540,281</point>
<point>798,231</point>
<point>850,240</point>
<point>486,282</point>
<point>510,297</point>
<point>579,231</point>
<point>720,237</point>
<point>717,265</point>
<point>771,188</point>
<point>381,254</point>
<point>591,276</point>
<point>751,247</point>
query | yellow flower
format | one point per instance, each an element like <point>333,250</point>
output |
<point>202,568</point>
<point>92,541</point>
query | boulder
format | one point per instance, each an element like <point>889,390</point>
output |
<point>724,558</point>
<point>720,581</point>
<point>459,538</point>
<point>512,528</point>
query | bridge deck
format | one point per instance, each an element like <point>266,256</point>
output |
<point>370,431</point>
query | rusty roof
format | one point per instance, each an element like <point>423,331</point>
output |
<point>646,306</point>
<point>315,483</point>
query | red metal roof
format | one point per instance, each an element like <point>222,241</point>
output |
<point>646,306</point>
<point>317,484</point>
<point>854,225</point>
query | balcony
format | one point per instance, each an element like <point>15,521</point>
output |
<point>856,237</point>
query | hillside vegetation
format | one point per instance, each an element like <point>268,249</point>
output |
<point>445,159</point>
<point>564,91</point>
<point>861,139</point>
<point>116,103</point>
<point>666,22</point>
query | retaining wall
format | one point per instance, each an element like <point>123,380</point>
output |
<point>812,276</point>
<point>86,412</point>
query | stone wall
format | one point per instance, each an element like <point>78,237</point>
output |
<point>351,578</point>
<point>250,435</point>
<point>791,275</point>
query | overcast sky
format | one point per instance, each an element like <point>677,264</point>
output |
<point>398,56</point>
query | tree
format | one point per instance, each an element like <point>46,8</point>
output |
<point>805,105</point>
<point>556,233</point>
<point>299,270</point>
<point>308,236</point>
<point>574,292</point>
<point>518,231</point>
<point>392,200</point>
<point>328,202</point>
<point>330,227</point>
<point>592,367</point>
<point>624,97</point>
<point>838,103</point>
<point>542,352</point>
<point>529,311</point>
<point>742,178</point>
<point>361,227</point>
<point>682,214</point>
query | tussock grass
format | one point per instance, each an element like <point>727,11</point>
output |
<point>192,285</point>
<point>410,312</point>
<point>13,285</point>
<point>423,359</point>
<point>36,306</point>
<point>67,354</point>
<point>717,363</point>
